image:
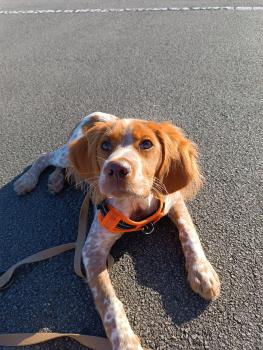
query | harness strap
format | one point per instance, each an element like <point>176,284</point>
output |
<point>116,222</point>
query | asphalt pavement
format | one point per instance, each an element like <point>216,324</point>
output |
<point>203,70</point>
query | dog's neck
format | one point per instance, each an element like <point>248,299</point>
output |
<point>135,208</point>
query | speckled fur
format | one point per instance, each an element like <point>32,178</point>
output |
<point>201,275</point>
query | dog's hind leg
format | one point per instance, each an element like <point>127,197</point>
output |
<point>28,181</point>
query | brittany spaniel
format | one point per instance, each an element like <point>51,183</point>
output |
<point>135,169</point>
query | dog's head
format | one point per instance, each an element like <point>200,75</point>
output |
<point>131,157</point>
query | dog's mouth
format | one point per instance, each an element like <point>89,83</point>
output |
<point>121,193</point>
<point>122,189</point>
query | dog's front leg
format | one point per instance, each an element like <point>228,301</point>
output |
<point>201,275</point>
<point>110,308</point>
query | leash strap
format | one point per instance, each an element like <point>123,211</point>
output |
<point>83,219</point>
<point>6,277</point>
<point>22,339</point>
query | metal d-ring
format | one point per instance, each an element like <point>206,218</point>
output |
<point>148,229</point>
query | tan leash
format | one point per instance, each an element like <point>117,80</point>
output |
<point>22,339</point>
<point>50,252</point>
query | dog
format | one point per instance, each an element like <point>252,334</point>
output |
<point>137,171</point>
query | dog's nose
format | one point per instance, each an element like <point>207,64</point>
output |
<point>117,169</point>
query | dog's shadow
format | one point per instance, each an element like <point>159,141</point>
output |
<point>159,265</point>
<point>40,220</point>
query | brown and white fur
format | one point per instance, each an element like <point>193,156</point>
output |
<point>131,163</point>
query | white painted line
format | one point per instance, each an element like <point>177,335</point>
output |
<point>134,9</point>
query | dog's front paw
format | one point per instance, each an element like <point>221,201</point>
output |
<point>204,280</point>
<point>26,183</point>
<point>56,181</point>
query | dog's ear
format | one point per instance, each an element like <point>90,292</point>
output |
<point>82,163</point>
<point>179,169</point>
<point>83,151</point>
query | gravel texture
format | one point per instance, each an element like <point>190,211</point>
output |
<point>203,70</point>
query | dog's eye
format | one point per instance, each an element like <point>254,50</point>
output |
<point>106,146</point>
<point>146,144</point>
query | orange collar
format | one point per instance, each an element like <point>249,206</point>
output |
<point>116,222</point>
